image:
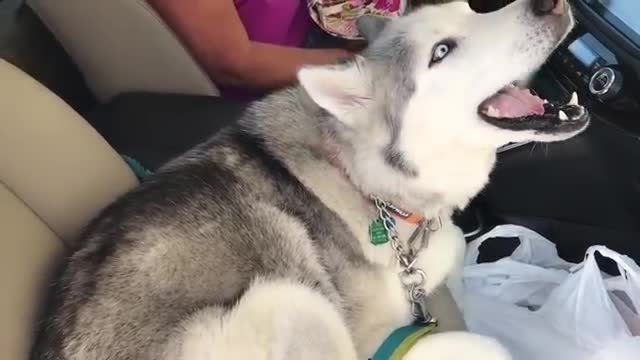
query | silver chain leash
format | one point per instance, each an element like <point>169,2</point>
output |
<point>412,278</point>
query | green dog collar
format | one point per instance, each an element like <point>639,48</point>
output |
<point>398,344</point>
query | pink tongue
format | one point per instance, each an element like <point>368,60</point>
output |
<point>514,102</point>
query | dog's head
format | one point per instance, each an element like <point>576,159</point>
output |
<point>440,82</point>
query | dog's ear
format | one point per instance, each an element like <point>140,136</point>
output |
<point>370,26</point>
<point>338,89</point>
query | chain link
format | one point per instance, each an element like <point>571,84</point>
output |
<point>412,278</point>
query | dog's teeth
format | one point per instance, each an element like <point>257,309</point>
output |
<point>562,115</point>
<point>545,101</point>
<point>493,112</point>
<point>574,99</point>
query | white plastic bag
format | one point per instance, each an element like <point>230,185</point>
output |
<point>534,249</point>
<point>526,277</point>
<point>540,306</point>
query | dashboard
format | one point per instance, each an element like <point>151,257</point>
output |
<point>601,61</point>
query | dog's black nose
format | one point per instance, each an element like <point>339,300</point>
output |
<point>548,7</point>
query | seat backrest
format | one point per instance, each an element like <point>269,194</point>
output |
<point>56,173</point>
<point>123,45</point>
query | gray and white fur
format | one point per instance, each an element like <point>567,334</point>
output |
<point>255,245</point>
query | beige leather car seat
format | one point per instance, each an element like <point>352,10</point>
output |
<point>56,173</point>
<point>121,46</point>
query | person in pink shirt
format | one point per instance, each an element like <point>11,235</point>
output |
<point>247,46</point>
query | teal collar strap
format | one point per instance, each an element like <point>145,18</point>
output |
<point>398,344</point>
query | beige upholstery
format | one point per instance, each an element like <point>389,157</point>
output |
<point>122,45</point>
<point>27,251</point>
<point>52,159</point>
<point>56,172</point>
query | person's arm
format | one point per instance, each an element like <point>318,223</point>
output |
<point>213,32</point>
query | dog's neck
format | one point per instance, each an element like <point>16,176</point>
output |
<point>303,136</point>
<point>332,156</point>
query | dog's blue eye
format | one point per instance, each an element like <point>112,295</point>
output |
<point>441,50</point>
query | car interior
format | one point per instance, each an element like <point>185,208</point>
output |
<point>91,88</point>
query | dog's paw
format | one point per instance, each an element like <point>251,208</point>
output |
<point>457,346</point>
<point>444,255</point>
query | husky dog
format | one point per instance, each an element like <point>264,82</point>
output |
<point>255,245</point>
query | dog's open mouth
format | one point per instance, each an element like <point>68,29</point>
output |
<point>515,108</point>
